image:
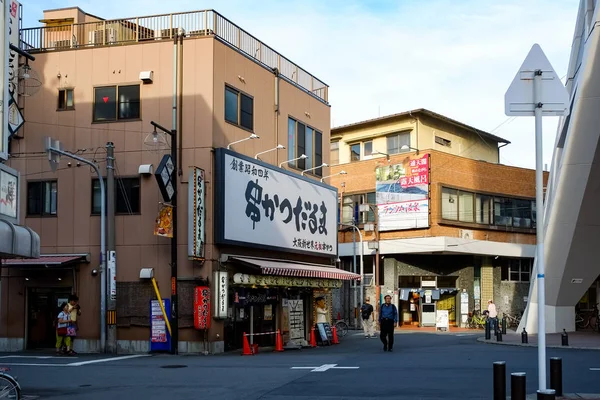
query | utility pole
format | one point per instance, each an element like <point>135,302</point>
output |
<point>111,250</point>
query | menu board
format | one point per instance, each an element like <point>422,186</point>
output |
<point>296,321</point>
<point>160,340</point>
<point>325,333</point>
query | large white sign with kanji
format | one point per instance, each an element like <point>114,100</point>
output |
<point>262,205</point>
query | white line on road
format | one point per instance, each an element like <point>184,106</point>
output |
<point>324,368</point>
<point>37,357</point>
<point>78,364</point>
<point>465,334</point>
<point>35,365</point>
<point>594,369</point>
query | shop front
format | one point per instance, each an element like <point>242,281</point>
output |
<point>276,231</point>
<point>273,295</point>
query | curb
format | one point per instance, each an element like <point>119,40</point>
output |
<point>482,340</point>
<point>568,396</point>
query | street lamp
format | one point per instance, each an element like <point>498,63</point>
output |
<point>313,168</point>
<point>329,176</point>
<point>382,153</point>
<point>174,303</point>
<point>407,147</point>
<point>252,136</point>
<point>279,147</point>
<point>302,157</point>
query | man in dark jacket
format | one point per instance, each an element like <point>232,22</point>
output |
<point>388,319</point>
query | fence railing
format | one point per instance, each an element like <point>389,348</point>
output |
<point>164,27</point>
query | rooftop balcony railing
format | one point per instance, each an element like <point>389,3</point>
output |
<point>163,27</point>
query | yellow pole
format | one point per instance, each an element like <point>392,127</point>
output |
<point>160,303</point>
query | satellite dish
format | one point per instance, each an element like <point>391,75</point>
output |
<point>29,81</point>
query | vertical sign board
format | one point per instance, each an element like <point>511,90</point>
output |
<point>296,322</point>
<point>9,194</point>
<point>15,118</point>
<point>402,193</point>
<point>201,307</point>
<point>4,132</point>
<point>111,264</point>
<point>221,294</point>
<point>196,214</point>
<point>160,340</point>
<point>263,206</point>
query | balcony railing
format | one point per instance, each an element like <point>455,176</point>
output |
<point>164,27</point>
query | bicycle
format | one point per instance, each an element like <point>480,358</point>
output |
<point>9,387</point>
<point>476,320</point>
<point>513,322</point>
<point>589,319</point>
<point>341,327</point>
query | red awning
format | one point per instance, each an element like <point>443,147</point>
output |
<point>284,268</point>
<point>46,260</point>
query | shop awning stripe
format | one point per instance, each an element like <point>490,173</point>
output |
<point>284,268</point>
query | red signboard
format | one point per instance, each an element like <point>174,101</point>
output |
<point>202,307</point>
<point>417,172</point>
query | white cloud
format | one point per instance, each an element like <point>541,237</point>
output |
<point>453,57</point>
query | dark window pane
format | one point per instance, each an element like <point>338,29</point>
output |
<point>246,112</point>
<point>355,152</point>
<point>300,146</point>
<point>61,100</point>
<point>308,140</point>
<point>129,102</point>
<point>96,196</point>
<point>231,105</point>
<point>105,104</point>
<point>318,152</point>
<point>128,196</point>
<point>34,198</point>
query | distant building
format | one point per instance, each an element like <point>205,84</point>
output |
<point>456,228</point>
<point>262,237</point>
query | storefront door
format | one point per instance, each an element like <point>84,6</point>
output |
<point>42,308</point>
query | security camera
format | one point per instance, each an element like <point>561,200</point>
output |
<point>94,272</point>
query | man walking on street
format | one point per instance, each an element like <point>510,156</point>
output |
<point>388,318</point>
<point>368,318</point>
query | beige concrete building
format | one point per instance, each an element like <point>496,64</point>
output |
<point>104,81</point>
<point>445,225</point>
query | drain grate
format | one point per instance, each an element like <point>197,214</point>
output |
<point>173,366</point>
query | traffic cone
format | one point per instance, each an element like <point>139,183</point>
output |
<point>247,350</point>
<point>313,338</point>
<point>335,336</point>
<point>278,341</point>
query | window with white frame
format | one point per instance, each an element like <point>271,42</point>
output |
<point>396,141</point>
<point>517,270</point>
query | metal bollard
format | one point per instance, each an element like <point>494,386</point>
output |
<point>504,322</point>
<point>547,394</point>
<point>518,386</point>
<point>524,337</point>
<point>556,375</point>
<point>488,333</point>
<point>498,335</point>
<point>500,380</point>
<point>564,338</point>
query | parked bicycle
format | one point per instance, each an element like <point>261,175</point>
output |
<point>341,327</point>
<point>9,387</point>
<point>476,320</point>
<point>588,319</point>
<point>512,321</point>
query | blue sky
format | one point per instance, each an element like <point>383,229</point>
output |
<point>382,57</point>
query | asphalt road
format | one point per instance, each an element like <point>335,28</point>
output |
<point>422,366</point>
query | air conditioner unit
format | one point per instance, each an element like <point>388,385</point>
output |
<point>368,280</point>
<point>466,234</point>
<point>98,37</point>
<point>60,44</point>
<point>168,33</point>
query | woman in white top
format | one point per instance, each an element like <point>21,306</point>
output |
<point>321,310</point>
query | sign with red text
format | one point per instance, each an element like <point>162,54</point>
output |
<point>403,194</point>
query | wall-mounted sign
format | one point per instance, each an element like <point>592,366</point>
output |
<point>9,194</point>
<point>259,205</point>
<point>165,177</point>
<point>221,294</point>
<point>287,281</point>
<point>163,225</point>
<point>403,194</point>
<point>202,307</point>
<point>196,214</point>
<point>111,264</point>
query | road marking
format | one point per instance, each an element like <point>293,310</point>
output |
<point>35,365</point>
<point>324,368</point>
<point>465,334</point>
<point>38,357</point>
<point>78,364</point>
<point>594,369</point>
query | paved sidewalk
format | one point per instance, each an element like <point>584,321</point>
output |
<point>569,396</point>
<point>577,340</point>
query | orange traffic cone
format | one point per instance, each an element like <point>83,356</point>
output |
<point>335,337</point>
<point>247,350</point>
<point>313,338</point>
<point>278,341</point>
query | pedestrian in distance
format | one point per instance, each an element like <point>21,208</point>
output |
<point>492,315</point>
<point>388,319</point>
<point>74,311</point>
<point>368,318</point>
<point>62,324</point>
